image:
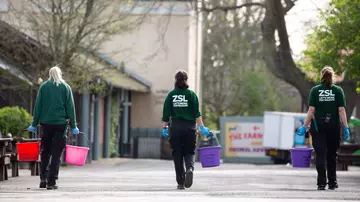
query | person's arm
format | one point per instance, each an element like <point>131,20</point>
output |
<point>166,112</point>
<point>343,117</point>
<point>37,108</point>
<point>197,111</point>
<point>312,105</point>
<point>199,121</point>
<point>70,107</point>
<point>309,116</point>
<point>341,103</point>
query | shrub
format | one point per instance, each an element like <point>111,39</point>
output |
<point>14,120</point>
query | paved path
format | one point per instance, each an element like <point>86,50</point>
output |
<point>153,181</point>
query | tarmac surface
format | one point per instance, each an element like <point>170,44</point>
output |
<point>154,180</point>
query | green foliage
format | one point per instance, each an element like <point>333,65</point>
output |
<point>337,41</point>
<point>235,79</point>
<point>115,115</point>
<point>261,94</point>
<point>14,120</point>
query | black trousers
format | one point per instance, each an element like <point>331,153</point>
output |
<point>53,141</point>
<point>326,143</point>
<point>183,143</point>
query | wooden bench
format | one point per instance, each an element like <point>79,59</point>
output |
<point>14,165</point>
<point>4,158</point>
<point>12,153</point>
<point>346,156</point>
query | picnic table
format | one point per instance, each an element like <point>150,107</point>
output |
<point>346,155</point>
<point>4,158</point>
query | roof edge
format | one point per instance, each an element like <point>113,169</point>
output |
<point>121,66</point>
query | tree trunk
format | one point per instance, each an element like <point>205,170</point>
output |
<point>279,61</point>
<point>357,128</point>
<point>357,105</point>
<point>351,96</point>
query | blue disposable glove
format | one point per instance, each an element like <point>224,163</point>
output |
<point>301,131</point>
<point>346,132</point>
<point>205,131</point>
<point>75,131</point>
<point>165,132</point>
<point>31,129</point>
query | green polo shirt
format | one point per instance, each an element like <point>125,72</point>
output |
<point>327,100</point>
<point>181,104</point>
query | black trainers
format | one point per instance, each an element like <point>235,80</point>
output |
<point>42,184</point>
<point>189,178</point>
<point>180,186</point>
<point>333,186</point>
<point>52,186</point>
<point>321,187</point>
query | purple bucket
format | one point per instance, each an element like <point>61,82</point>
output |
<point>301,157</point>
<point>210,156</point>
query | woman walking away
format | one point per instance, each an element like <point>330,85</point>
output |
<point>181,107</point>
<point>53,108</point>
<point>326,103</point>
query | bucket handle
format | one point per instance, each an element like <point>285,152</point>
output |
<point>35,133</point>
<point>88,145</point>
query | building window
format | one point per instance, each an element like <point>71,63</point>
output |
<point>4,5</point>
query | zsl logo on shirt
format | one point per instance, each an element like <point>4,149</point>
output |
<point>326,96</point>
<point>179,101</point>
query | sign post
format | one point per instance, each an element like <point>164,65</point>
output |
<point>242,140</point>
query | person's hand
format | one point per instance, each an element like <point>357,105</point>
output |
<point>75,131</point>
<point>301,131</point>
<point>31,129</point>
<point>165,132</point>
<point>205,131</point>
<point>346,132</point>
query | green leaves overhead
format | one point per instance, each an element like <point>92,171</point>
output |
<point>337,41</point>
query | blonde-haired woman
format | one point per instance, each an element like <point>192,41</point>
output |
<point>54,107</point>
<point>327,104</point>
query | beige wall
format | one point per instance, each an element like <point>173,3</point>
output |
<point>162,44</point>
<point>176,49</point>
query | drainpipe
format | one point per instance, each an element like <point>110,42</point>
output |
<point>108,126</point>
<point>85,119</point>
<point>31,100</point>
<point>126,105</point>
<point>97,131</point>
<point>92,128</point>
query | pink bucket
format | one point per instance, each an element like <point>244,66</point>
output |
<point>76,155</point>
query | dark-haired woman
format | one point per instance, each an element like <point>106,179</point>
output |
<point>181,107</point>
<point>326,103</point>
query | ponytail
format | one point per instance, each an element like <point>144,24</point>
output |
<point>55,75</point>
<point>327,76</point>
<point>181,79</point>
